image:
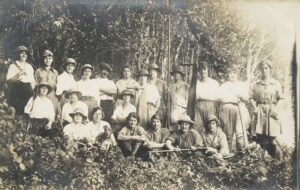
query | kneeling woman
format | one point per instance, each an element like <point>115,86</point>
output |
<point>40,109</point>
<point>214,139</point>
<point>132,136</point>
<point>185,137</point>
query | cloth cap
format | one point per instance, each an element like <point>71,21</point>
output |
<point>153,66</point>
<point>177,69</point>
<point>86,66</point>
<point>105,66</point>
<point>143,72</point>
<point>21,48</point>
<point>212,118</point>
<point>70,61</point>
<point>47,53</point>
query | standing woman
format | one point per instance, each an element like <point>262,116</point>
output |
<point>148,99</point>
<point>21,80</point>
<point>265,97</point>
<point>206,96</point>
<point>87,87</point>
<point>234,115</point>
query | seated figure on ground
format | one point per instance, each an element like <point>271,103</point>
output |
<point>132,136</point>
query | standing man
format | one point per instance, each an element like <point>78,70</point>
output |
<point>47,74</point>
<point>179,95</point>
<point>161,86</point>
<point>126,83</point>
<point>107,90</point>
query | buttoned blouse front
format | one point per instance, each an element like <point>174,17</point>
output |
<point>43,75</point>
<point>65,82</point>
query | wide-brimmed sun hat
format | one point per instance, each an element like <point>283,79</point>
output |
<point>50,87</point>
<point>79,111</point>
<point>73,91</point>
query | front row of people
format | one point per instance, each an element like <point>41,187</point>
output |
<point>134,140</point>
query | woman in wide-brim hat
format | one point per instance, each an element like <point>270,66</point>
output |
<point>214,139</point>
<point>20,78</point>
<point>86,86</point>
<point>184,138</point>
<point>73,97</point>
<point>40,109</point>
<point>148,99</point>
<point>119,117</point>
<point>76,130</point>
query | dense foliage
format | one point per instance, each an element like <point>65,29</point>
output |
<point>32,162</point>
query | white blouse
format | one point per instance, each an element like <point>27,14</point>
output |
<point>40,107</point>
<point>207,90</point>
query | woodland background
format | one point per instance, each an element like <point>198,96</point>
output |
<point>139,32</point>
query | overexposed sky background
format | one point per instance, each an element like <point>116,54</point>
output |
<point>279,19</point>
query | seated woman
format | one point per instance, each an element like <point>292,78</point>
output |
<point>40,109</point>
<point>214,139</point>
<point>132,136</point>
<point>100,130</point>
<point>76,130</point>
<point>185,137</point>
<point>156,136</point>
<point>73,96</point>
<point>119,117</point>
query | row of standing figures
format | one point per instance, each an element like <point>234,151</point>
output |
<point>45,94</point>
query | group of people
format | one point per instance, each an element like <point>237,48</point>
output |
<point>132,114</point>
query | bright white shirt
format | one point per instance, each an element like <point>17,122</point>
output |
<point>230,91</point>
<point>76,131</point>
<point>40,107</point>
<point>65,82</point>
<point>207,90</point>
<point>152,94</point>
<point>87,87</point>
<point>69,108</point>
<point>97,129</point>
<point>16,67</point>
<point>105,83</point>
<point>120,113</point>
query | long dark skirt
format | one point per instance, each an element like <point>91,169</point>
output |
<point>108,109</point>
<point>19,94</point>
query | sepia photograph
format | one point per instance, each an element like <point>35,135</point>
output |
<point>149,94</point>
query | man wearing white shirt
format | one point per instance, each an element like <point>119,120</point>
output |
<point>107,90</point>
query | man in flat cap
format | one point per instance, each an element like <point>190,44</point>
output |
<point>107,91</point>
<point>47,74</point>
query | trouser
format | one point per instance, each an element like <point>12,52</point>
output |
<point>108,109</point>
<point>130,147</point>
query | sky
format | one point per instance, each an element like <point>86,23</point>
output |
<point>278,18</point>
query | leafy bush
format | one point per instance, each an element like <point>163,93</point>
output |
<point>33,162</point>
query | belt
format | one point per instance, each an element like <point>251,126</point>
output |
<point>87,98</point>
<point>232,103</point>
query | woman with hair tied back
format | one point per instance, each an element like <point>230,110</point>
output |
<point>265,97</point>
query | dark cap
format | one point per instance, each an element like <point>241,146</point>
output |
<point>177,69</point>
<point>87,66</point>
<point>143,72</point>
<point>153,66</point>
<point>70,61</point>
<point>21,48</point>
<point>47,53</point>
<point>105,66</point>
